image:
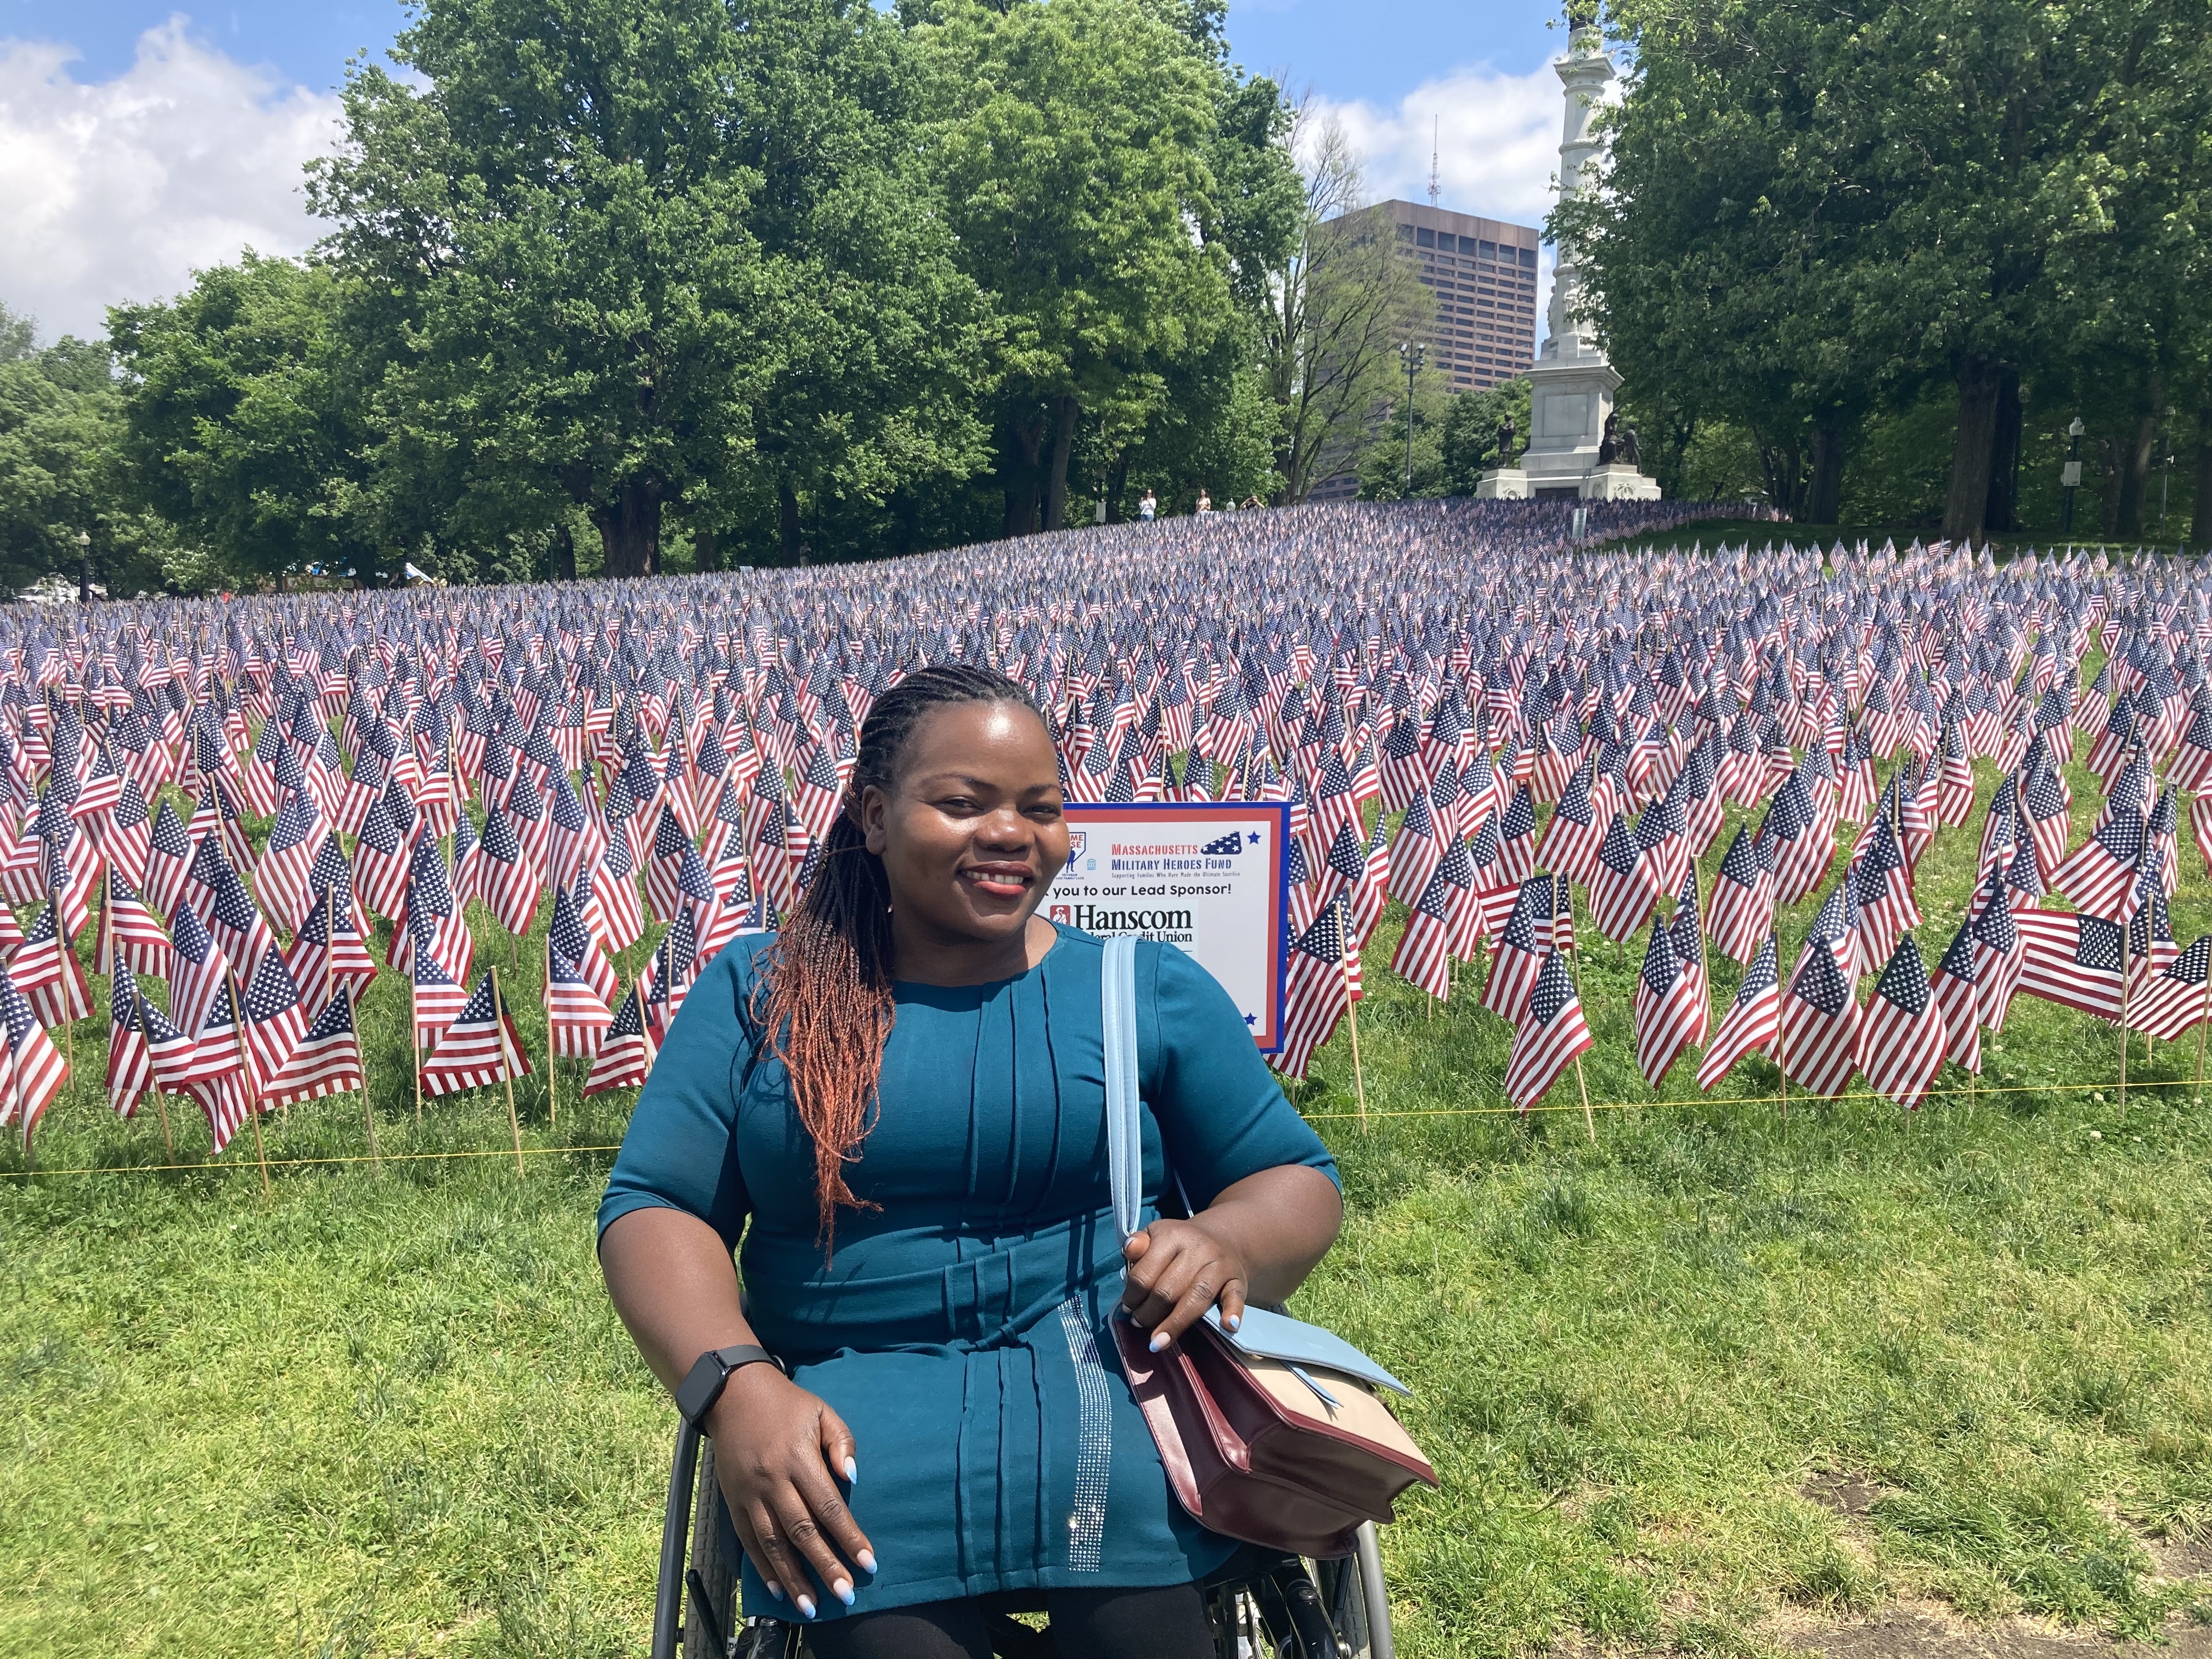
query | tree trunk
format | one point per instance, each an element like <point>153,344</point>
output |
<point>786,518</point>
<point>2200,521</point>
<point>2134,472</point>
<point>1021,461</point>
<point>1117,481</point>
<point>2108,485</point>
<point>1824,502</point>
<point>706,551</point>
<point>1777,465</point>
<point>1966,509</point>
<point>564,552</point>
<point>630,529</point>
<point>2004,456</point>
<point>1063,446</point>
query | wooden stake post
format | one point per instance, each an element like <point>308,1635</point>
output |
<point>513,1121</point>
<point>1350,1007</point>
<point>252,1089</point>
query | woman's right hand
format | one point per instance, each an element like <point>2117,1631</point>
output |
<point>777,1452</point>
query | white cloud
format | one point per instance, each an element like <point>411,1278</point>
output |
<point>119,189</point>
<point>1495,137</point>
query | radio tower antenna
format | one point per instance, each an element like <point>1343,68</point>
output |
<point>1436,178</point>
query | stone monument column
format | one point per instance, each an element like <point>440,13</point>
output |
<point>1572,385</point>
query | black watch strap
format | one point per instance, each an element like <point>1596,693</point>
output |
<point>710,1374</point>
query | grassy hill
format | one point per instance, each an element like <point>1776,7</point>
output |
<point>1720,1378</point>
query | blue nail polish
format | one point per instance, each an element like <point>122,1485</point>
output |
<point>844,1591</point>
<point>852,1473</point>
<point>1233,1320</point>
<point>867,1560</point>
<point>807,1605</point>
<point>1159,1341</point>
<point>776,1590</point>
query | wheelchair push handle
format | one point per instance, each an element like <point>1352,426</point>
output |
<point>675,1537</point>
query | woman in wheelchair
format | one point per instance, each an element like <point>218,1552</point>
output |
<point>893,1113</point>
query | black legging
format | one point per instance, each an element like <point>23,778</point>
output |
<point>1168,1622</point>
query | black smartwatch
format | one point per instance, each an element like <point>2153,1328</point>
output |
<point>710,1374</point>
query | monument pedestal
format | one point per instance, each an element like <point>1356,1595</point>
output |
<point>1617,480</point>
<point>1502,484</point>
<point>1572,386</point>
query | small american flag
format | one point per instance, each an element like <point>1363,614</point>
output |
<point>275,1022</point>
<point>625,1051</point>
<point>2101,877</point>
<point>36,1070</point>
<point>1752,1021</point>
<point>1902,1036</point>
<point>1818,1043</point>
<point>325,1061</point>
<point>480,1048</point>
<point>1669,1014</point>
<point>1550,1036</point>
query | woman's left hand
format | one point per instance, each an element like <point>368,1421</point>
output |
<point>1177,1270</point>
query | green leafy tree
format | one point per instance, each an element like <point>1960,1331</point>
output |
<point>1071,141</point>
<point>61,468</point>
<point>1473,425</point>
<point>1810,212</point>
<point>241,424</point>
<point>642,252</point>
<point>1382,461</point>
<point>1337,309</point>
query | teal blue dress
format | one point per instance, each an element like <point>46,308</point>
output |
<point>960,1329</point>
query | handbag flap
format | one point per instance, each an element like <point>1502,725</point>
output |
<point>1277,1336</point>
<point>1355,1413</point>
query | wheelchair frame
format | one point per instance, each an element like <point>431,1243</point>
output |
<point>1260,1596</point>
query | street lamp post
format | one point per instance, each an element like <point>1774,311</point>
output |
<point>83,569</point>
<point>1410,355</point>
<point>2069,475</point>
<point>2166,470</point>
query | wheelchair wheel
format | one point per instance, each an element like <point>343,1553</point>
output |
<point>1299,1609</point>
<point>1344,1599</point>
<point>713,1622</point>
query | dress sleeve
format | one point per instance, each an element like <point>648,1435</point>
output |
<point>680,1152</point>
<point>1222,1114</point>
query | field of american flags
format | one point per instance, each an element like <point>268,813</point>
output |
<point>1640,1354</point>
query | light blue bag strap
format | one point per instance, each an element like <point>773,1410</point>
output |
<point>1125,1140</point>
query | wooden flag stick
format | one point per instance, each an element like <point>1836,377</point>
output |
<point>514,1122</point>
<point>2198,1099</point>
<point>1352,1013</point>
<point>415,1040</point>
<point>1590,1123</point>
<point>168,1141</point>
<point>252,1089</point>
<point>2124,1022</point>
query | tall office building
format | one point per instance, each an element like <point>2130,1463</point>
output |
<point>1483,274</point>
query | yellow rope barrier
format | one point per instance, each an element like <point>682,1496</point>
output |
<point>302,1162</point>
<point>1741,1100</point>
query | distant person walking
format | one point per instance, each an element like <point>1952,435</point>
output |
<point>1149,508</point>
<point>1205,501</point>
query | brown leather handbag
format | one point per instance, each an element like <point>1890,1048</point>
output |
<point>1275,1433</point>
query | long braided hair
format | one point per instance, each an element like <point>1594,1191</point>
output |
<point>826,999</point>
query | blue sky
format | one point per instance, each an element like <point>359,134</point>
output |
<point>140,140</point>
<point>1375,51</point>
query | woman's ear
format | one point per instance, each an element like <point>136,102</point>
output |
<point>870,812</point>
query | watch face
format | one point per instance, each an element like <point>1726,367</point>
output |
<point>700,1388</point>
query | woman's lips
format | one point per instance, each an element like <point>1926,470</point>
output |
<point>1000,880</point>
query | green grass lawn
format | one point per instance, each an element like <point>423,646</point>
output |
<point>385,1412</point>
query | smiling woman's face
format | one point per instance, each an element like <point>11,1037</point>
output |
<point>971,833</point>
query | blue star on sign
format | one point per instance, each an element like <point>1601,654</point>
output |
<point>1251,1019</point>
<point>1255,838</point>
